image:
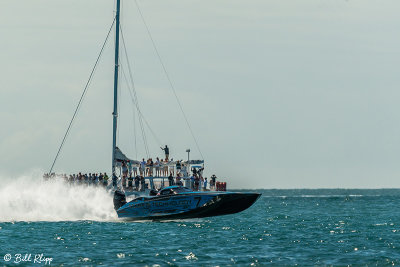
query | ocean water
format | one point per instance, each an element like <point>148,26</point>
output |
<point>76,226</point>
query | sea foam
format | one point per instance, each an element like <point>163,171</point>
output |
<point>30,198</point>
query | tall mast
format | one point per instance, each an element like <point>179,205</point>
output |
<point>115,112</point>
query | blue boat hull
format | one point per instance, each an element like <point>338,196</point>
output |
<point>185,206</point>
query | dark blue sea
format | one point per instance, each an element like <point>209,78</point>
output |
<point>334,227</point>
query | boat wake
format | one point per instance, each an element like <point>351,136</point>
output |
<point>30,198</point>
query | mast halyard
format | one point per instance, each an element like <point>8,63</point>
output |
<point>115,112</point>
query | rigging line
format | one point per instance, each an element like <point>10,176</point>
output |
<point>134,106</point>
<point>82,96</point>
<point>134,89</point>
<point>144,137</point>
<point>135,148</point>
<point>134,130</point>
<point>140,121</point>
<point>168,78</point>
<point>151,130</point>
<point>134,123</point>
<point>146,146</point>
<point>135,99</point>
<point>134,102</point>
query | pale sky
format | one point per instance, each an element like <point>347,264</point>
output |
<point>280,94</point>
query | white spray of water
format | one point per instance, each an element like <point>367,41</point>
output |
<point>30,198</point>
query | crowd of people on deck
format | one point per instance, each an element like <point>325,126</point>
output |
<point>195,182</point>
<point>133,174</point>
<point>97,179</point>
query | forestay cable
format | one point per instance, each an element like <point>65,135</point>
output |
<point>82,97</point>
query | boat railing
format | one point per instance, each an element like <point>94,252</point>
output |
<point>158,183</point>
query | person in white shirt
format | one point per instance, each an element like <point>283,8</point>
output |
<point>142,167</point>
<point>157,165</point>
<point>205,184</point>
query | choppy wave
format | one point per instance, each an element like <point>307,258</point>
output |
<point>30,198</point>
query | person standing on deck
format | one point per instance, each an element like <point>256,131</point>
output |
<point>162,170</point>
<point>200,172</point>
<point>129,165</point>
<point>147,167</point>
<point>137,181</point>
<point>191,181</point>
<point>114,179</point>
<point>171,167</point>
<point>105,179</point>
<point>171,180</point>
<point>134,170</point>
<point>178,167</point>
<point>157,165</point>
<point>178,179</point>
<point>96,179</point>
<point>124,169</point>
<point>151,167</point>
<point>142,183</point>
<point>101,179</point>
<point>130,181</point>
<point>142,167</point>
<point>166,150</point>
<point>184,170</point>
<point>196,183</point>
<point>213,181</point>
